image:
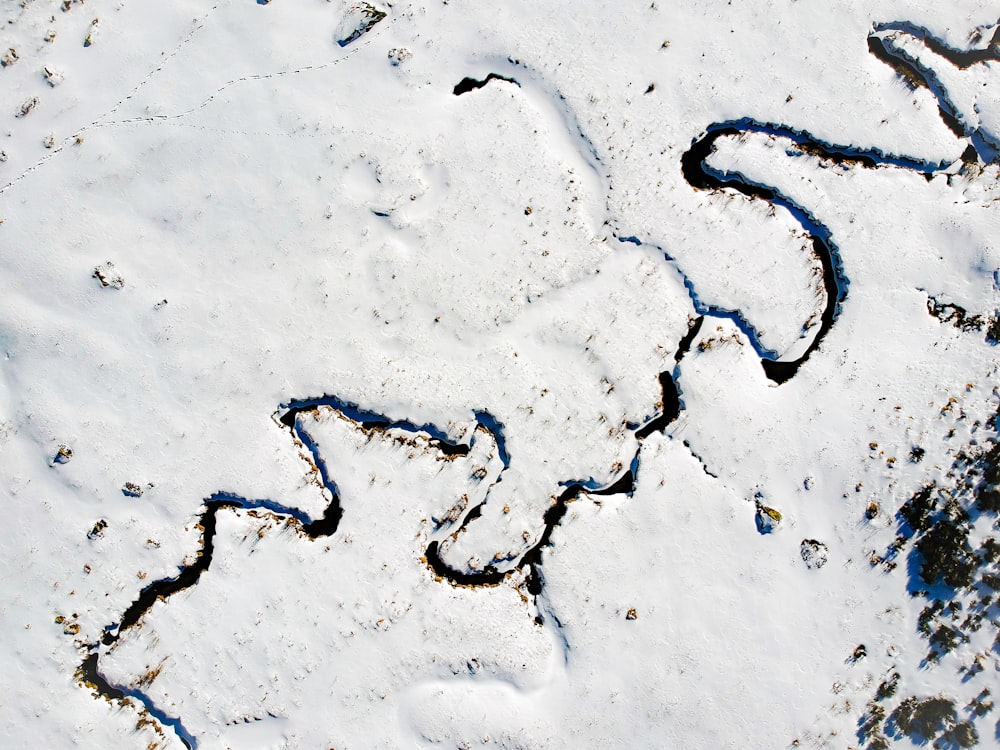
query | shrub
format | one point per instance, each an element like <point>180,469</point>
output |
<point>993,329</point>
<point>945,639</point>
<point>962,735</point>
<point>888,687</point>
<point>926,718</point>
<point>871,721</point>
<point>988,500</point>
<point>917,510</point>
<point>947,555</point>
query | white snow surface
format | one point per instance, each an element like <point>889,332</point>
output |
<point>295,220</point>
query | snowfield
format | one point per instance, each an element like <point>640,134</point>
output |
<point>537,375</point>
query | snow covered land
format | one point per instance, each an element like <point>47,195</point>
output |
<point>538,374</point>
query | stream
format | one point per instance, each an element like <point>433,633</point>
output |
<point>699,176</point>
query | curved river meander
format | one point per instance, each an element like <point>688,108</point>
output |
<point>699,176</point>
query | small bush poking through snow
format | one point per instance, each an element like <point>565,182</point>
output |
<point>768,519</point>
<point>27,105</point>
<point>63,454</point>
<point>358,20</point>
<point>131,489</point>
<point>814,553</point>
<point>399,55</point>
<point>98,531</point>
<point>106,274</point>
<point>52,77</point>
